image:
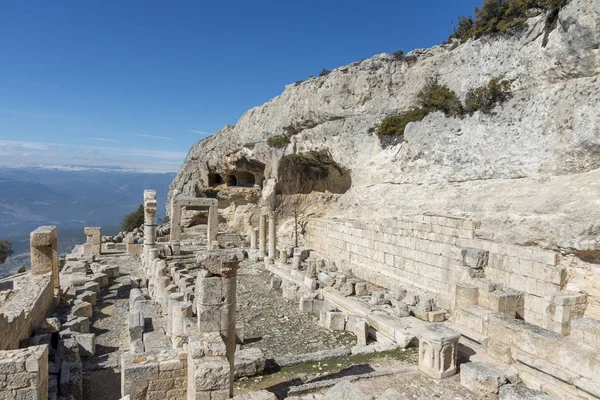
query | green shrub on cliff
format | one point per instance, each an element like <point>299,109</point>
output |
<point>396,124</point>
<point>133,220</point>
<point>436,97</point>
<point>5,250</point>
<point>501,16</point>
<point>485,98</point>
<point>22,269</point>
<point>279,141</point>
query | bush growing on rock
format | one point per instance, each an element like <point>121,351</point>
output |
<point>396,124</point>
<point>324,72</point>
<point>436,97</point>
<point>5,250</point>
<point>133,220</point>
<point>22,269</point>
<point>485,98</point>
<point>279,141</point>
<point>398,55</point>
<point>501,16</point>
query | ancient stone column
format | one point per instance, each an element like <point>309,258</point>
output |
<point>262,236</point>
<point>173,298</point>
<point>283,256</point>
<point>181,310</point>
<point>175,220</point>
<point>149,221</point>
<point>43,244</point>
<point>253,239</point>
<point>216,296</point>
<point>438,351</point>
<point>297,258</point>
<point>213,226</point>
<point>93,245</point>
<point>129,243</point>
<point>272,236</point>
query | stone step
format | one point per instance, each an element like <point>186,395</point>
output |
<point>471,338</point>
<point>473,317</point>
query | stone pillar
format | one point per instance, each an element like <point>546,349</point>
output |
<point>129,243</point>
<point>152,256</point>
<point>93,245</point>
<point>213,226</point>
<point>181,310</point>
<point>283,256</point>
<point>253,239</point>
<point>149,221</point>
<point>43,244</point>
<point>297,258</point>
<point>216,297</point>
<point>262,236</point>
<point>438,351</point>
<point>173,298</point>
<point>272,236</point>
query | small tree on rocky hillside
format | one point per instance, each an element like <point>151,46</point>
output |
<point>133,220</point>
<point>5,250</point>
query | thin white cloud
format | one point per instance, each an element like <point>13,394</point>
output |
<point>201,132</point>
<point>106,140</point>
<point>153,136</point>
<point>22,152</point>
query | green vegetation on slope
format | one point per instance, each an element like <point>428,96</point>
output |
<point>133,220</point>
<point>5,250</point>
<point>279,141</point>
<point>436,97</point>
<point>501,16</point>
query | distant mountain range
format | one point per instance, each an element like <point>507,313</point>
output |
<point>70,197</point>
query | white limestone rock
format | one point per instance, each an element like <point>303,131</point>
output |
<point>529,171</point>
<point>481,378</point>
<point>520,392</point>
<point>345,390</point>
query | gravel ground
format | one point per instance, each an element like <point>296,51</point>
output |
<point>275,324</point>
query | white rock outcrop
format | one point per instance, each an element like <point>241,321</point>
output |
<point>530,171</point>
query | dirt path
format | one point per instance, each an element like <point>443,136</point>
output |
<point>275,324</point>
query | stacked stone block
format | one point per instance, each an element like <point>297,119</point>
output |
<point>44,253</point>
<point>209,371</point>
<point>24,373</point>
<point>154,375</point>
<point>428,252</point>
<point>93,244</point>
<point>26,309</point>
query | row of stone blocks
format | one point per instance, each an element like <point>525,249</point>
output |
<point>566,366</point>
<point>85,282</point>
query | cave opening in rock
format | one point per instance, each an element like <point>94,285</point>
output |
<point>245,178</point>
<point>240,179</point>
<point>215,179</point>
<point>312,172</point>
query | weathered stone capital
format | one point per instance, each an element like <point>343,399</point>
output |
<point>224,263</point>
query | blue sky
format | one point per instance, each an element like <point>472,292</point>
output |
<point>137,83</point>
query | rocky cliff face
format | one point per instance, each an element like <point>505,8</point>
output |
<point>530,171</point>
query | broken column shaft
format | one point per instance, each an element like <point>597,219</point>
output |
<point>213,223</point>
<point>262,236</point>
<point>216,296</point>
<point>149,221</point>
<point>272,236</point>
<point>44,253</point>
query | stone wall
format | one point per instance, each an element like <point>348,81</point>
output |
<point>154,375</point>
<point>24,373</point>
<point>426,252</point>
<point>26,308</point>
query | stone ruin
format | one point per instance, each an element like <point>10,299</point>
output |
<point>470,244</point>
<point>459,299</point>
